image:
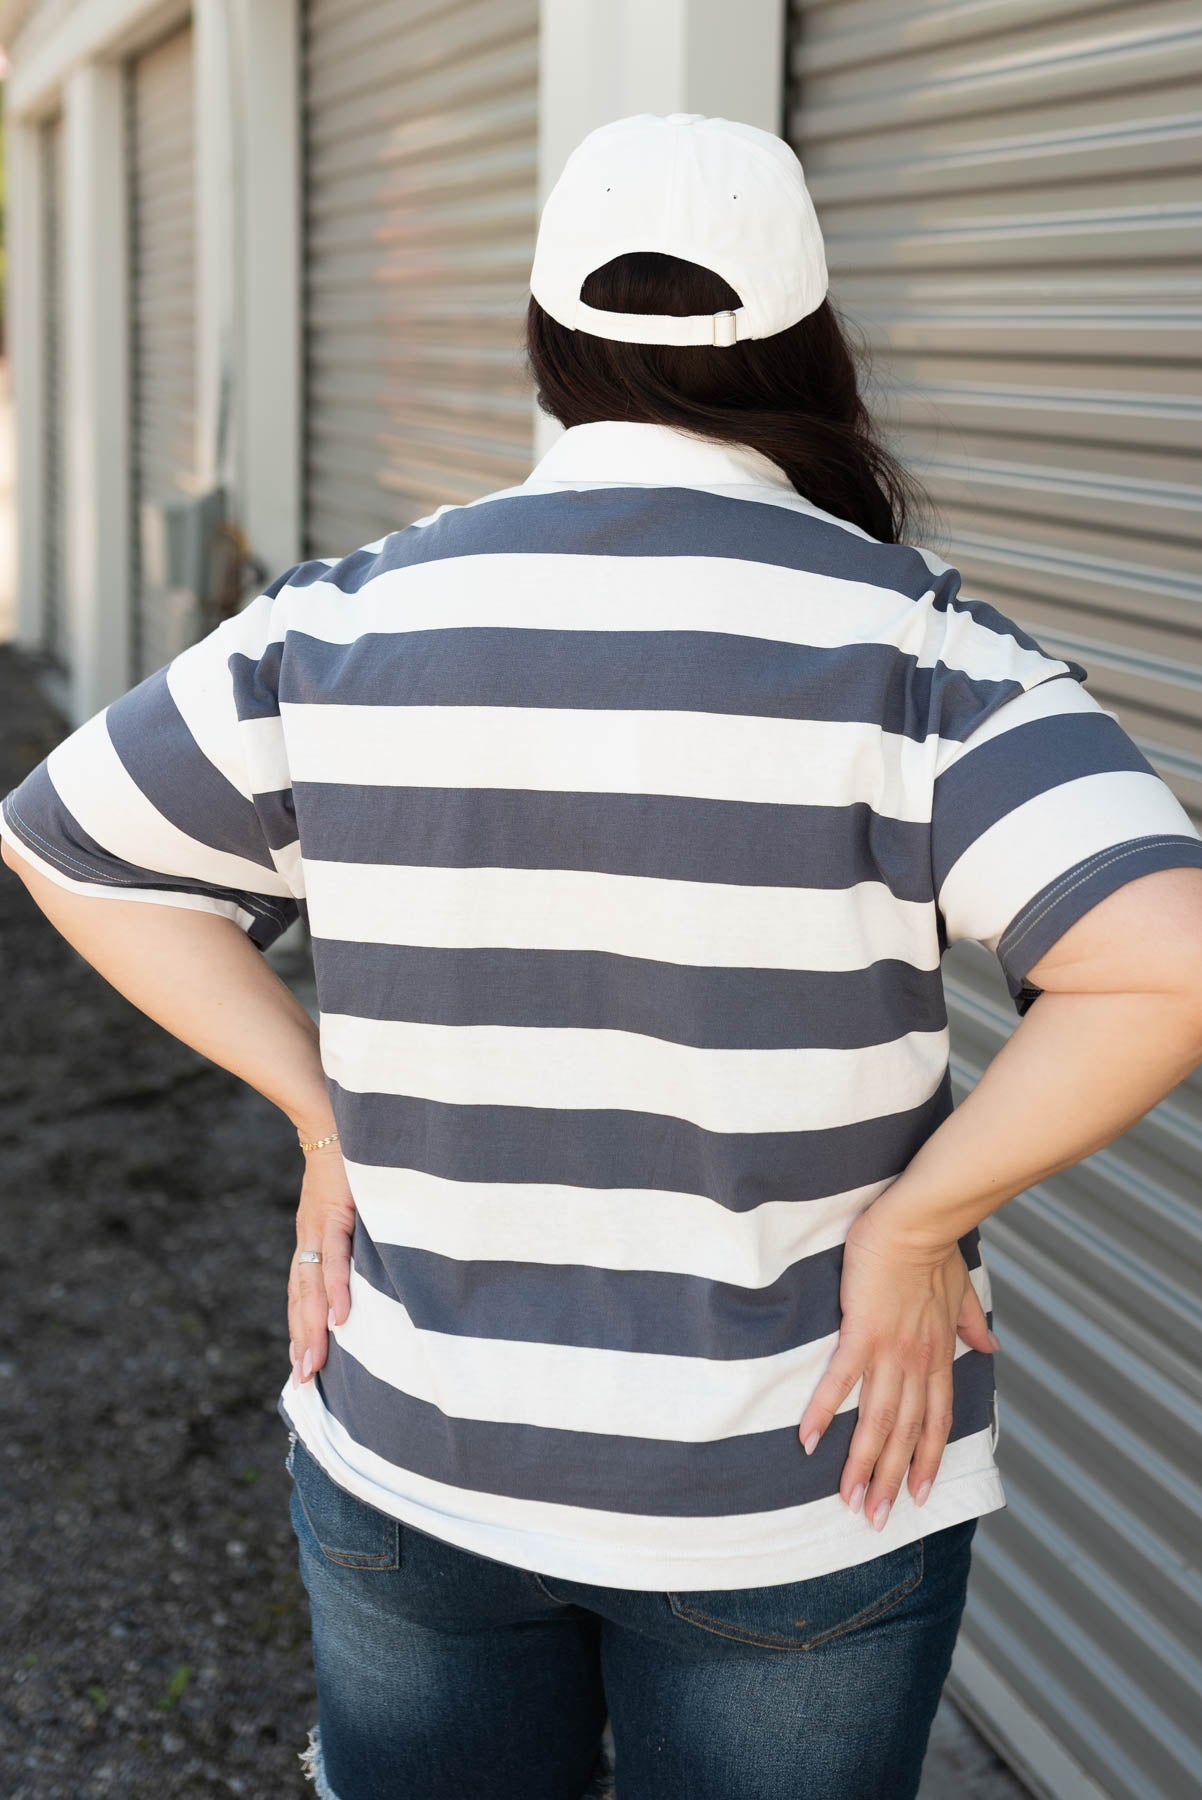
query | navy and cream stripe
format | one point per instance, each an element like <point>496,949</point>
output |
<point>631,810</point>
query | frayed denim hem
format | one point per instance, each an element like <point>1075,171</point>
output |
<point>601,1787</point>
<point>314,1768</point>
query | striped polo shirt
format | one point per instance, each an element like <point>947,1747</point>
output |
<point>631,810</point>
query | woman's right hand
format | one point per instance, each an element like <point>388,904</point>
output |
<point>903,1307</point>
<point>319,1294</point>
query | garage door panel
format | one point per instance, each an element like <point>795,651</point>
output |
<point>55,632</point>
<point>1009,200</point>
<point>421,212</point>
<point>1054,55</point>
<point>162,209</point>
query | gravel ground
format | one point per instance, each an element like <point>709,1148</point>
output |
<point>158,1634</point>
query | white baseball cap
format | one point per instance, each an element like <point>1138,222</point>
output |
<point>711,191</point>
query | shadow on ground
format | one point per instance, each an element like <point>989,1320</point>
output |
<point>157,1632</point>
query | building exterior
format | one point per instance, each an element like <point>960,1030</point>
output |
<point>267,273</point>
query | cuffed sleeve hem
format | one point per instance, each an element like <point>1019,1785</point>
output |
<point>1047,916</point>
<point>262,919</point>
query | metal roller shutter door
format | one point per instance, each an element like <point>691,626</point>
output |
<point>1010,196</point>
<point>54,517</point>
<point>420,122</point>
<point>162,210</point>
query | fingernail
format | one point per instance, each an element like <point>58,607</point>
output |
<point>307,1365</point>
<point>295,1377</point>
<point>880,1517</point>
<point>994,1340</point>
<point>923,1494</point>
<point>331,1321</point>
<point>857,1497</point>
<point>292,1349</point>
<point>812,1443</point>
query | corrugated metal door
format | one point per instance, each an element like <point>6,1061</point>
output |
<point>1011,200</point>
<point>421,174</point>
<point>54,517</point>
<point>162,211</point>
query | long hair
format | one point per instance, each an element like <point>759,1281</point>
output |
<point>795,396</point>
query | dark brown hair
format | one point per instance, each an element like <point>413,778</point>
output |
<point>795,396</point>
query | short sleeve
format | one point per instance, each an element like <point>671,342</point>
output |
<point>178,792</point>
<point>1042,803</point>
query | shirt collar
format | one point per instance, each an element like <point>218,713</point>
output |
<point>641,453</point>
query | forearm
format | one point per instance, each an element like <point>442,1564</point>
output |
<point>1077,1071</point>
<point>200,978</point>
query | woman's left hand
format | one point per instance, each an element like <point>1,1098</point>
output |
<point>319,1294</point>
<point>903,1308</point>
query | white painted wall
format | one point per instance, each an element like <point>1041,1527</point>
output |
<point>26,345</point>
<point>606,59</point>
<point>247,73</point>
<point>96,376</point>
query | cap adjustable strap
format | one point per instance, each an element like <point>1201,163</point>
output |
<point>656,328</point>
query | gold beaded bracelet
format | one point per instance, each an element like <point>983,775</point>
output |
<point>318,1142</point>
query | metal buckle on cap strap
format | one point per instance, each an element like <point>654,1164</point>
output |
<point>726,328</point>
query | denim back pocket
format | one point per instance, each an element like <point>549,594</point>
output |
<point>800,1615</point>
<point>345,1529</point>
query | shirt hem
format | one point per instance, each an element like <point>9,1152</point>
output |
<point>968,1496</point>
<point>92,885</point>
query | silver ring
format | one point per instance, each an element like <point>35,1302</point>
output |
<point>308,1256</point>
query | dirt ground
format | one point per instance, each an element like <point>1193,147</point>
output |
<point>155,1642</point>
<point>156,1639</point>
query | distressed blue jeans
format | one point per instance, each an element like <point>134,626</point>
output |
<point>443,1675</point>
